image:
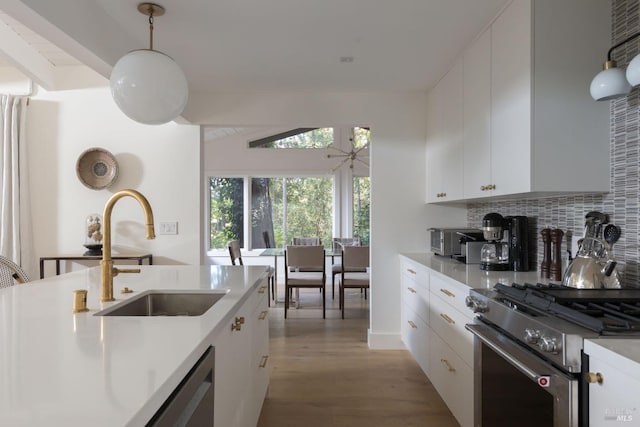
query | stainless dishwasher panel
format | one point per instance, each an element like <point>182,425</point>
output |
<point>192,403</point>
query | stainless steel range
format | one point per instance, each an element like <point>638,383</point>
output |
<point>528,350</point>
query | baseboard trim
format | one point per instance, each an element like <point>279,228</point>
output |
<point>378,341</point>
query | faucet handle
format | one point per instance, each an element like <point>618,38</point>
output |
<point>117,271</point>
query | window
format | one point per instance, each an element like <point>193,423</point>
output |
<point>227,211</point>
<point>297,138</point>
<point>247,207</point>
<point>291,207</point>
<point>361,203</point>
<point>282,207</point>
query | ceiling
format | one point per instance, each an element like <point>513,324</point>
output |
<point>258,45</point>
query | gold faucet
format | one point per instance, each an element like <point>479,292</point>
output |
<point>108,270</point>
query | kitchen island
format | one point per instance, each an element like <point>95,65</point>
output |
<point>63,369</point>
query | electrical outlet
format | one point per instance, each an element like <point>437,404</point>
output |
<point>168,227</point>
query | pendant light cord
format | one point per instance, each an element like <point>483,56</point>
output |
<point>628,39</point>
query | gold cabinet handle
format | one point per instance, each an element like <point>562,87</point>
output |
<point>411,271</point>
<point>263,315</point>
<point>448,319</point>
<point>261,289</point>
<point>447,293</point>
<point>594,377</point>
<point>413,325</point>
<point>446,363</point>
<point>263,362</point>
<point>237,324</point>
<point>483,188</point>
<point>413,291</point>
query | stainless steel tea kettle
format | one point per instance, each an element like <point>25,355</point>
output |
<point>592,268</point>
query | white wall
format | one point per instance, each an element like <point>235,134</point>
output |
<point>399,216</point>
<point>162,162</point>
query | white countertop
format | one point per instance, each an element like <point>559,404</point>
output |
<point>470,274</point>
<point>64,369</point>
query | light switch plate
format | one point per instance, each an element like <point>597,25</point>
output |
<point>170,227</point>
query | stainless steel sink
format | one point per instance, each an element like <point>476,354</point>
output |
<point>165,303</point>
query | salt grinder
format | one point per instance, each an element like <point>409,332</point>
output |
<point>555,268</point>
<point>545,266</point>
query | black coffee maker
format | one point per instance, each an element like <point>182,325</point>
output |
<point>518,242</point>
<point>507,246</point>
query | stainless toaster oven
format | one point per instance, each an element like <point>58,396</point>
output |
<point>446,241</point>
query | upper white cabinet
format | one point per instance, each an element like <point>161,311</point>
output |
<point>444,140</point>
<point>530,127</point>
<point>477,174</point>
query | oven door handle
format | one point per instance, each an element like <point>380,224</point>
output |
<point>512,352</point>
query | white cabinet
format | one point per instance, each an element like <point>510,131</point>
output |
<point>414,280</point>
<point>451,346</point>
<point>477,174</point>
<point>241,369</point>
<point>444,138</point>
<point>615,387</point>
<point>532,128</point>
<point>511,99</point>
<point>433,318</point>
<point>452,378</point>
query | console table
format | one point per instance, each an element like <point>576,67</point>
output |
<point>58,258</point>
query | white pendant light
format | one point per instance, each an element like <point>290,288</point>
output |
<point>147,85</point>
<point>610,83</point>
<point>633,71</point>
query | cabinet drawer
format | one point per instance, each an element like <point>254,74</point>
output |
<point>416,297</point>
<point>449,323</point>
<point>415,271</point>
<point>451,291</point>
<point>452,378</point>
<point>415,335</point>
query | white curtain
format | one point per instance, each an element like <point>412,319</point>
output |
<point>15,213</point>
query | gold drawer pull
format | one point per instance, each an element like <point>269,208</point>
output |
<point>594,377</point>
<point>413,291</point>
<point>263,315</point>
<point>448,365</point>
<point>261,289</point>
<point>447,293</point>
<point>411,271</point>
<point>448,319</point>
<point>413,325</point>
<point>263,362</point>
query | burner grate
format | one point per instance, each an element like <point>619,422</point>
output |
<point>601,310</point>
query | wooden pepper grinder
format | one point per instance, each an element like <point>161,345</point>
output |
<point>556,255</point>
<point>545,266</point>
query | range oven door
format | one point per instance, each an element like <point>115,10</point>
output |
<point>513,386</point>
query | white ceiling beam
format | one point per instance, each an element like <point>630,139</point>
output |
<point>25,58</point>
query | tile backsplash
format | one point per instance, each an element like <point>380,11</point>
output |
<point>622,204</point>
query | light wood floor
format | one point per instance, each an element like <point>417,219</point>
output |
<point>324,375</point>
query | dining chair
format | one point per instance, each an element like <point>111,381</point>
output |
<point>354,258</point>
<point>304,268</point>
<point>236,256</point>
<point>11,273</point>
<point>336,267</point>
<point>306,241</point>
